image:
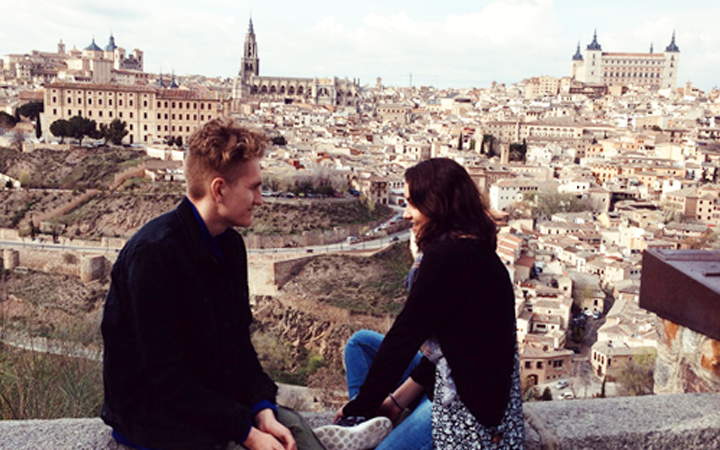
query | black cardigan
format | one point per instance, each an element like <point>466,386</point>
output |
<point>180,369</point>
<point>463,295</point>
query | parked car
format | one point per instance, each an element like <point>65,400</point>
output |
<point>566,396</point>
<point>562,384</point>
<point>596,314</point>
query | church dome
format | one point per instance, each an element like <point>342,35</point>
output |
<point>93,46</point>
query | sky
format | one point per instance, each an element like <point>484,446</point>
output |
<point>448,43</point>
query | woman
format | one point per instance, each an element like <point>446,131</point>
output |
<point>460,310</point>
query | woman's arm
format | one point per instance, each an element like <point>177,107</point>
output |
<point>395,403</point>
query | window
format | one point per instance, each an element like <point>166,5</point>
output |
<point>130,102</point>
<point>173,104</point>
<point>99,101</point>
<point>109,113</point>
<point>159,116</point>
<point>159,104</point>
<point>166,116</point>
<point>120,114</point>
<point>180,105</point>
<point>173,128</point>
<point>539,365</point>
<point>144,103</point>
<point>109,102</point>
<point>69,113</point>
<point>528,365</point>
<point>131,114</point>
<point>69,101</point>
<point>131,127</point>
<point>145,127</point>
<point>54,99</point>
<point>173,117</point>
<point>120,102</point>
<point>202,105</point>
<point>89,101</point>
<point>144,115</point>
<point>100,113</point>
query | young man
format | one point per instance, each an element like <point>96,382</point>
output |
<point>180,371</point>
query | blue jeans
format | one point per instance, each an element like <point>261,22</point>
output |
<point>415,432</point>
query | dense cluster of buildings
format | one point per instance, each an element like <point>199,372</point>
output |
<point>585,171</point>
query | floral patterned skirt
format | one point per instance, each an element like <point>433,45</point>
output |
<point>455,428</point>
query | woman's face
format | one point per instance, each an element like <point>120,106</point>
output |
<point>417,218</point>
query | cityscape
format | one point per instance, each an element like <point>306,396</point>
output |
<point>586,172</point>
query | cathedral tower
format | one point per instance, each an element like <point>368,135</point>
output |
<point>250,61</point>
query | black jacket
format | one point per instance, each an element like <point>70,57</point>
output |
<point>180,371</point>
<point>462,295</point>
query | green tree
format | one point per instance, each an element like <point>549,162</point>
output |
<point>636,376</point>
<point>6,121</point>
<point>549,203</point>
<point>518,152</point>
<point>278,140</point>
<point>32,111</point>
<point>114,132</point>
<point>546,395</point>
<point>82,127</point>
<point>61,129</point>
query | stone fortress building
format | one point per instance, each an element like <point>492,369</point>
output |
<point>250,86</point>
<point>92,64</point>
<point>636,69</point>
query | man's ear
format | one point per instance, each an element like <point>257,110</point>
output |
<point>217,189</point>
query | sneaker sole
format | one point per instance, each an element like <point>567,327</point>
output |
<point>365,436</point>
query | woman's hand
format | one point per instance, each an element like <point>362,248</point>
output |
<point>339,414</point>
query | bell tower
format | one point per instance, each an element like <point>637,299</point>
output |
<point>250,61</point>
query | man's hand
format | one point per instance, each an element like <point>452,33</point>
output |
<point>258,440</point>
<point>265,421</point>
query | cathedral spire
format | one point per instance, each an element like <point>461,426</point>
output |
<point>672,47</point>
<point>594,44</point>
<point>577,56</point>
<point>250,64</point>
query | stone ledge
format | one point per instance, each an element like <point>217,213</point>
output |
<point>677,421</point>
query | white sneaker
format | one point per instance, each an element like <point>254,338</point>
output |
<point>364,436</point>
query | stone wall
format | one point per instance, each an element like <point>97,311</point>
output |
<point>667,422</point>
<point>687,361</point>
<point>683,288</point>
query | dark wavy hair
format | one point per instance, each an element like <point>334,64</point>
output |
<point>443,190</point>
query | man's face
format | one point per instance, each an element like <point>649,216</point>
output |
<point>242,196</point>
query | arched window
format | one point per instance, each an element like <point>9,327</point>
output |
<point>273,90</point>
<point>264,89</point>
<point>291,90</point>
<point>300,90</point>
